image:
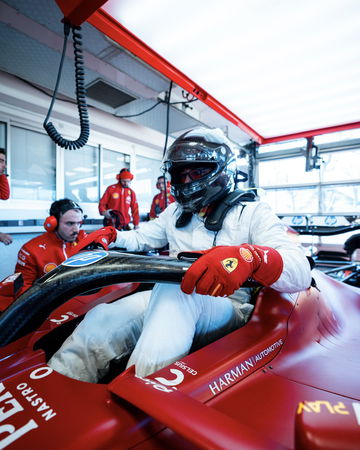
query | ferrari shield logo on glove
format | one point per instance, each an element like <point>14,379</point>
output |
<point>229,264</point>
<point>221,270</point>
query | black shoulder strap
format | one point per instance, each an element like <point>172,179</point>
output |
<point>215,219</point>
<point>183,219</point>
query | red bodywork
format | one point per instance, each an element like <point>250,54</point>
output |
<point>288,379</point>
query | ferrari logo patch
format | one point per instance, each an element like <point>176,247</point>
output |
<point>115,195</point>
<point>229,264</point>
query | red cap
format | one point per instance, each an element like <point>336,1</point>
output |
<point>125,174</point>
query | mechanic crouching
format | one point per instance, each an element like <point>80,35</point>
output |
<point>43,253</point>
<point>235,237</point>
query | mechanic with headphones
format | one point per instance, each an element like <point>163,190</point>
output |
<point>233,237</point>
<point>118,200</point>
<point>161,200</point>
<point>43,253</point>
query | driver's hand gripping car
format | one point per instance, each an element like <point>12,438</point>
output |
<point>97,239</point>
<point>239,237</point>
<point>221,270</point>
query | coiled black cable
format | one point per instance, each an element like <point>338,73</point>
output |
<point>80,94</point>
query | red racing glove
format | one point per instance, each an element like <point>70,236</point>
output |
<point>99,238</point>
<point>221,270</point>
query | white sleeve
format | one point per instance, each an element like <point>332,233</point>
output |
<point>268,230</point>
<point>150,235</point>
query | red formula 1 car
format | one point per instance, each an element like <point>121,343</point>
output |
<point>288,379</point>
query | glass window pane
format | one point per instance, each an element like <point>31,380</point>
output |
<point>285,171</point>
<point>338,136</point>
<point>340,199</point>
<point>113,162</point>
<point>147,171</point>
<point>277,146</point>
<point>342,165</point>
<point>32,165</point>
<point>293,201</point>
<point>81,174</point>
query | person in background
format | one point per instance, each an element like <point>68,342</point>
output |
<point>233,237</point>
<point>43,253</point>
<point>161,200</point>
<point>5,238</point>
<point>118,200</point>
<point>4,192</point>
<point>4,184</point>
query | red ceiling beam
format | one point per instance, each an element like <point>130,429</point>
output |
<point>310,133</point>
<point>112,28</point>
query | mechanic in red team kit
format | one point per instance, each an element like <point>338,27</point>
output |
<point>118,200</point>
<point>233,237</point>
<point>43,253</point>
<point>161,200</point>
<point>4,184</point>
<point>4,192</point>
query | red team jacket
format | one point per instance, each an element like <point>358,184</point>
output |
<point>158,204</point>
<point>4,187</point>
<point>121,199</point>
<point>42,254</point>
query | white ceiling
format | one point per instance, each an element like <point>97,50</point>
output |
<point>281,66</point>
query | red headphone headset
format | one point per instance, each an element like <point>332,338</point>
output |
<point>50,223</point>
<point>58,208</point>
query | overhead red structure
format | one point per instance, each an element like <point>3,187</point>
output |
<point>78,11</point>
<point>104,15</point>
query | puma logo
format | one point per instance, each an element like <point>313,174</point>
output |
<point>42,246</point>
<point>266,256</point>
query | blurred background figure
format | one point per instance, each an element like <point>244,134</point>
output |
<point>4,192</point>
<point>161,200</point>
<point>5,238</point>
<point>119,205</point>
<point>4,184</point>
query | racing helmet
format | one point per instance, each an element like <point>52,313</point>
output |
<point>201,148</point>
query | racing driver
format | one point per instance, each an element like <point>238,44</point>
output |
<point>234,238</point>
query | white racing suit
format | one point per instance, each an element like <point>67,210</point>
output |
<point>160,326</point>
